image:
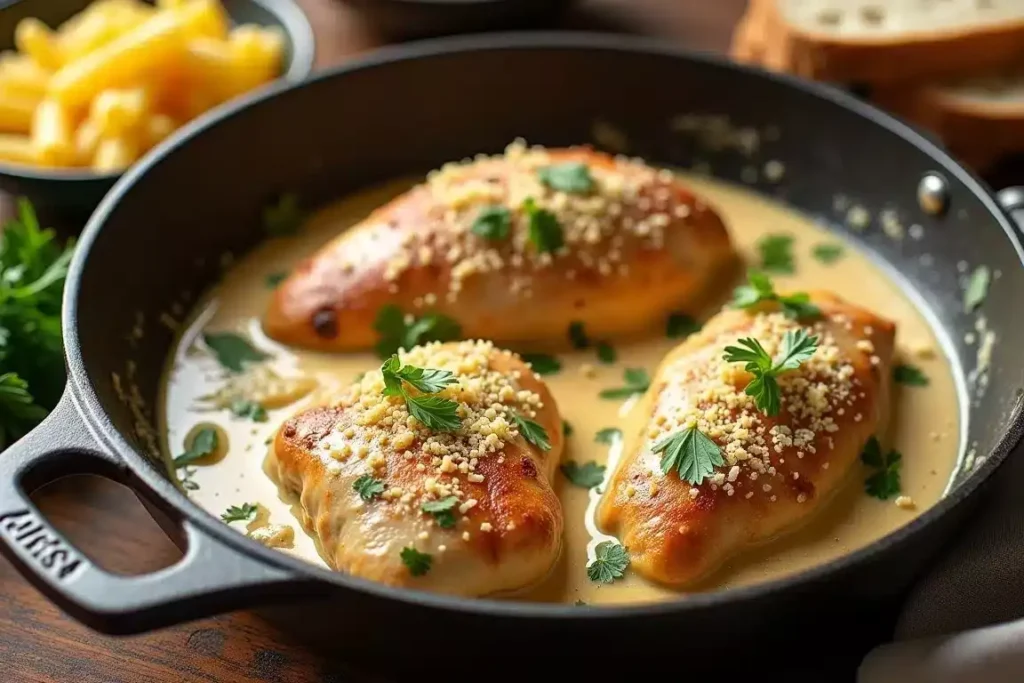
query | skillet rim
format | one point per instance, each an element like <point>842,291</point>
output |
<point>92,412</point>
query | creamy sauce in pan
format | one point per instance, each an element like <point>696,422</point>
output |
<point>923,427</point>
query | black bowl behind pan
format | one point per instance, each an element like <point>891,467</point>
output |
<point>156,241</point>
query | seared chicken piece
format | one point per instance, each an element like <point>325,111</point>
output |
<point>776,471</point>
<point>382,492</point>
<point>495,246</point>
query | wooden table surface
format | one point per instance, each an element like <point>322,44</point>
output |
<point>39,643</point>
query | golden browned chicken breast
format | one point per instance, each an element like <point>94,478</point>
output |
<point>512,248</point>
<point>745,439</point>
<point>433,472</point>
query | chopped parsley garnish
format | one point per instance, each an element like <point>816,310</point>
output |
<point>606,353</point>
<point>759,289</point>
<point>532,432</point>
<point>232,351</point>
<point>396,333</point>
<point>246,512</point>
<point>911,375</point>
<point>249,409</point>
<point>610,563</point>
<point>203,444</point>
<point>492,223</point>
<point>283,217</point>
<point>439,414</point>
<point>442,510</point>
<point>797,347</point>
<point>827,253</point>
<point>680,325</point>
<point>572,176</point>
<point>691,453</point>
<point>542,363</point>
<point>543,228</point>
<point>566,428</point>
<point>586,476</point>
<point>885,482</point>
<point>416,562</point>
<point>368,487</point>
<point>636,382</point>
<point>578,335</point>
<point>608,435</point>
<point>776,253</point>
<point>977,288</point>
<point>274,279</point>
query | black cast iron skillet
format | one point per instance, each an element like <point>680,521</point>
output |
<point>155,243</point>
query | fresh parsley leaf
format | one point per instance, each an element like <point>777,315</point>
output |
<point>606,353</point>
<point>885,482</point>
<point>690,453</point>
<point>578,336</point>
<point>610,563</point>
<point>427,380</point>
<point>416,562</point>
<point>977,288</point>
<point>532,432</point>
<point>249,409</point>
<point>872,453</point>
<point>543,229</point>
<point>608,435</point>
<point>636,382</point>
<point>203,444</point>
<point>797,347</point>
<point>492,223</point>
<point>244,513</point>
<point>586,476</point>
<point>776,253</point>
<point>911,375</point>
<point>680,325</point>
<point>283,217</point>
<point>396,332</point>
<point>442,510</point>
<point>232,351</point>
<point>274,279</point>
<point>759,289</point>
<point>568,177</point>
<point>368,487</point>
<point>18,409</point>
<point>542,363</point>
<point>566,428</point>
<point>436,413</point>
<point>827,253</point>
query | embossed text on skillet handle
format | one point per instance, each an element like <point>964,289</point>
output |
<point>213,576</point>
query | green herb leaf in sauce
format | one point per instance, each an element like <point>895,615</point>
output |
<point>566,428</point>
<point>759,289</point>
<point>680,325</point>
<point>542,363</point>
<point>246,512</point>
<point>606,353</point>
<point>203,444</point>
<point>543,229</point>
<point>610,562</point>
<point>797,347</point>
<point>492,223</point>
<point>416,562</point>
<point>637,381</point>
<point>608,435</point>
<point>884,483</point>
<point>776,253</point>
<point>249,409</point>
<point>283,217</point>
<point>872,453</point>
<point>977,288</point>
<point>232,351</point>
<point>586,475</point>
<point>442,510</point>
<point>397,330</point>
<point>827,253</point>
<point>578,335</point>
<point>274,279</point>
<point>368,487</point>
<point>568,177</point>
<point>911,375</point>
<point>532,432</point>
<point>691,453</point>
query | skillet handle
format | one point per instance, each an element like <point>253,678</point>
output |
<point>211,578</point>
<point>1011,199</point>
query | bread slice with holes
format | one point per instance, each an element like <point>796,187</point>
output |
<point>886,41</point>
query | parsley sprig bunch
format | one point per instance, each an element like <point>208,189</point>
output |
<point>437,413</point>
<point>797,347</point>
